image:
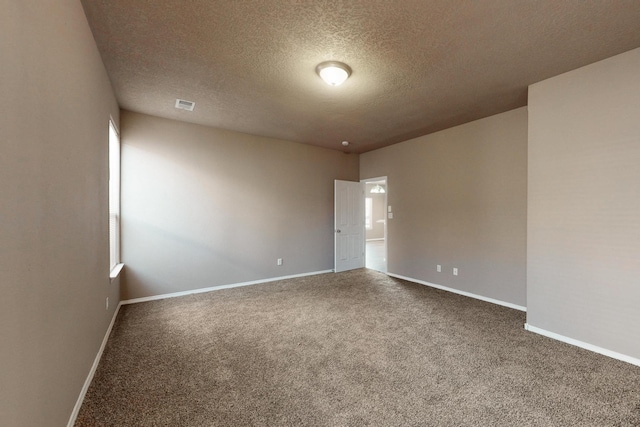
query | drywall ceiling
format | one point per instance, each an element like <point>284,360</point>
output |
<point>419,66</point>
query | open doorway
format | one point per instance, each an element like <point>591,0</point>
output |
<point>375,193</point>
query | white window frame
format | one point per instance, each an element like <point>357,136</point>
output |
<point>114,200</point>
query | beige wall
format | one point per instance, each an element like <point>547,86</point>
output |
<point>54,249</point>
<point>459,199</point>
<point>204,207</point>
<point>584,204</point>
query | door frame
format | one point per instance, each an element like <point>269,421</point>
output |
<point>386,219</point>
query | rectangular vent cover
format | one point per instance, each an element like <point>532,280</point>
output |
<point>181,104</point>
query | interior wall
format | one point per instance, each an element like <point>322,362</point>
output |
<point>459,199</point>
<point>204,207</point>
<point>377,213</point>
<point>54,238</point>
<point>584,204</point>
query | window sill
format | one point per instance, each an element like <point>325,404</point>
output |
<point>116,271</point>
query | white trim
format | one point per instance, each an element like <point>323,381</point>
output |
<point>115,272</point>
<point>217,288</point>
<point>379,178</point>
<point>456,291</point>
<point>92,371</point>
<point>112,120</point>
<point>384,178</point>
<point>372,240</point>
<point>581,344</point>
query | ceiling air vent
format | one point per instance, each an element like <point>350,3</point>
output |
<point>181,104</point>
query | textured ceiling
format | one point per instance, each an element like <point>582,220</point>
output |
<point>419,66</point>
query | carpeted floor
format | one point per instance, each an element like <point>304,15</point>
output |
<point>350,349</point>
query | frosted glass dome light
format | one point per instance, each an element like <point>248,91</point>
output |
<point>333,73</point>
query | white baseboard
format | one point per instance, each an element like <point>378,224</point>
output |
<point>217,288</point>
<point>456,291</point>
<point>92,371</point>
<point>586,346</point>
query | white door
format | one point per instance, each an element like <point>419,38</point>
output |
<point>349,225</point>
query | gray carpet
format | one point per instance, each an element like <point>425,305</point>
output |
<point>350,349</point>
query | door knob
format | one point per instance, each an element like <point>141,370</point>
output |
<point>338,231</point>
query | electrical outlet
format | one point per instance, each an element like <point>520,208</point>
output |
<point>279,261</point>
<point>439,268</point>
<point>107,307</point>
<point>455,271</point>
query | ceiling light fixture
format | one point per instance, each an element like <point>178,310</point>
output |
<point>377,189</point>
<point>333,73</point>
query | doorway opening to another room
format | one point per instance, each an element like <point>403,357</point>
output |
<point>375,193</point>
